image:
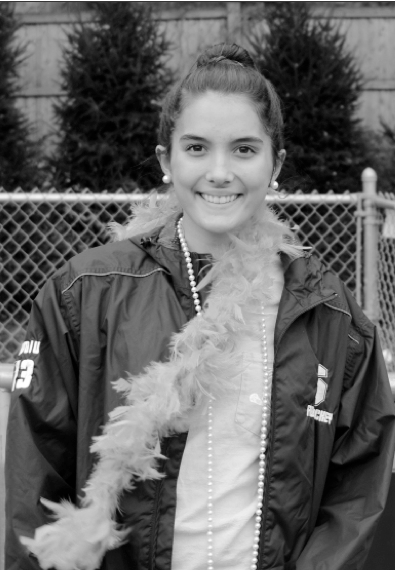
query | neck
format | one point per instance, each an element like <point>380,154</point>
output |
<point>202,241</point>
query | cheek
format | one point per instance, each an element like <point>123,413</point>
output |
<point>177,168</point>
<point>185,173</point>
<point>183,184</point>
<point>256,182</point>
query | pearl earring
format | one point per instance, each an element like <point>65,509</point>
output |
<point>166,179</point>
<point>274,184</point>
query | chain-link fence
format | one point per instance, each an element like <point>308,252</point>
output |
<point>39,232</point>
<point>385,303</point>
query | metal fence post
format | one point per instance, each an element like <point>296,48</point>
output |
<point>4,405</point>
<point>370,247</point>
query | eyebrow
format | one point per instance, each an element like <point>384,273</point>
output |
<point>192,138</point>
<point>189,137</point>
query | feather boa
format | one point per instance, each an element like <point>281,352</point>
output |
<point>203,358</point>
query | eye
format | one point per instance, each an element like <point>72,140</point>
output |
<point>245,150</point>
<point>195,148</point>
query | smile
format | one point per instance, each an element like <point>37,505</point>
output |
<point>219,199</point>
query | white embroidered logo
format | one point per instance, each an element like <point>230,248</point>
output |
<point>23,369</point>
<point>321,392</point>
<point>322,386</point>
<point>319,415</point>
<point>30,347</point>
<point>322,371</point>
<point>23,372</point>
<point>320,395</point>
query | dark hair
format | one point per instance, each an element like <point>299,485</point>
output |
<point>227,68</point>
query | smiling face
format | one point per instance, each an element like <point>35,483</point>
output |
<point>221,165</point>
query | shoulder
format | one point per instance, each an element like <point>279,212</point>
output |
<point>122,258</point>
<point>346,300</point>
<point>313,273</point>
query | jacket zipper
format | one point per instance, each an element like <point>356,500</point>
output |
<point>272,425</point>
<point>155,514</point>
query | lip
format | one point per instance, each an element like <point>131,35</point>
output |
<point>219,196</point>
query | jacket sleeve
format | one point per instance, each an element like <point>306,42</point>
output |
<point>41,431</point>
<point>359,473</point>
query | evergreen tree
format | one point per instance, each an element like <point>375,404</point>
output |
<point>319,84</point>
<point>16,150</point>
<point>382,156</point>
<point>114,77</point>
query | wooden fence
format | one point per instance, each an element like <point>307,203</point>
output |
<point>369,28</point>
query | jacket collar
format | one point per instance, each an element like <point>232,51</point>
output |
<point>162,244</point>
<point>303,277</point>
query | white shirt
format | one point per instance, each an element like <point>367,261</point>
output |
<point>237,418</point>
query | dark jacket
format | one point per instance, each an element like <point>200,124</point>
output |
<point>111,310</point>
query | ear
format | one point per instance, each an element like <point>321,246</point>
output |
<point>163,158</point>
<point>279,163</point>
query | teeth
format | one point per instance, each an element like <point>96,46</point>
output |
<point>219,199</point>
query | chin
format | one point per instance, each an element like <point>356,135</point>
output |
<point>225,228</point>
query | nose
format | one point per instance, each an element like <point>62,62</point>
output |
<point>219,172</point>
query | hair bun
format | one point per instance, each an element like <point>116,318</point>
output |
<point>231,53</point>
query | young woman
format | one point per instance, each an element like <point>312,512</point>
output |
<point>253,427</point>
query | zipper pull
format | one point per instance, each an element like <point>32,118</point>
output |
<point>146,241</point>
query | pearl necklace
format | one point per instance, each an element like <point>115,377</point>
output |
<point>191,275</point>
<point>264,427</point>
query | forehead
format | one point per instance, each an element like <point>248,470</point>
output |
<point>219,115</point>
